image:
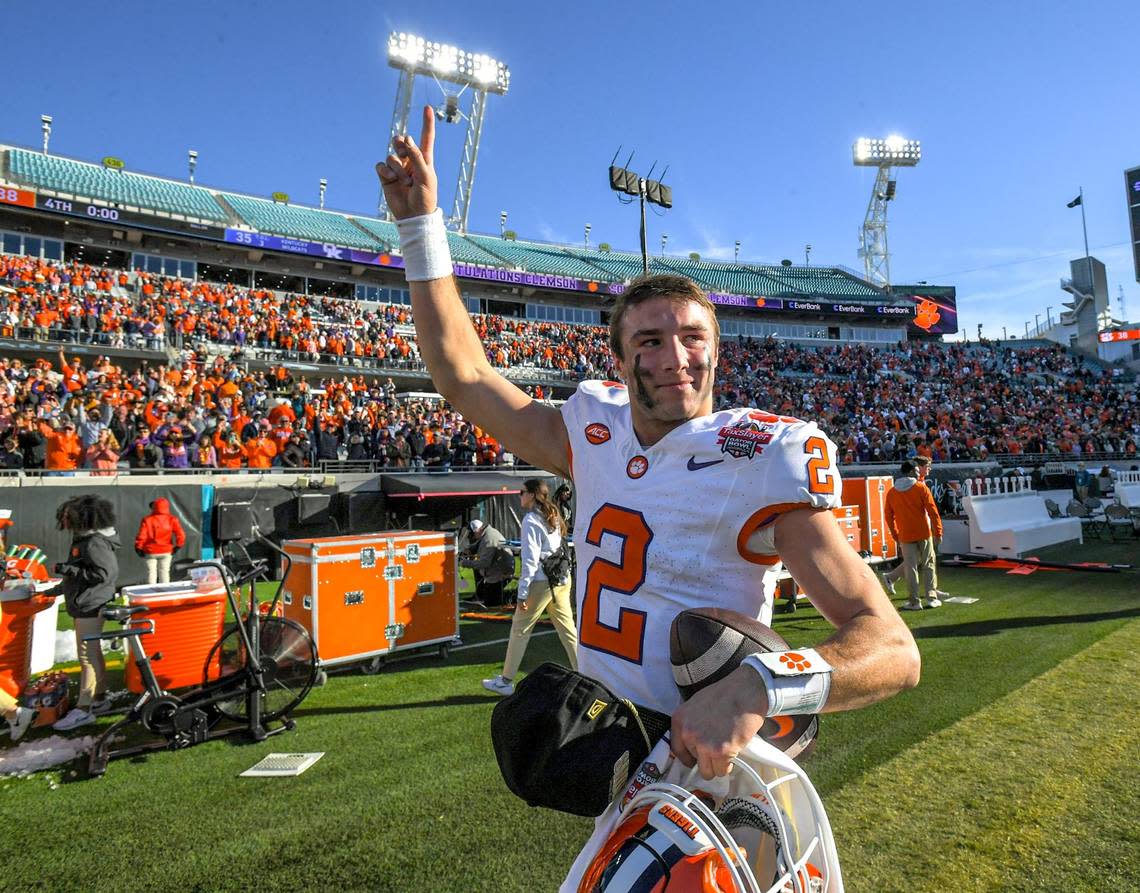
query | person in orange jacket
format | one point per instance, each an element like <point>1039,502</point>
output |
<point>260,450</point>
<point>160,536</point>
<point>63,448</point>
<point>913,520</point>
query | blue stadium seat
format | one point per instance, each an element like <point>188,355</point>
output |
<point>96,182</point>
<point>535,257</point>
<point>300,222</point>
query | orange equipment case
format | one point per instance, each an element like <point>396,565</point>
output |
<point>368,595</point>
<point>187,623</point>
<point>870,494</point>
<point>850,523</point>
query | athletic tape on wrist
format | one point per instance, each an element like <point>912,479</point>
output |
<point>796,682</point>
<point>423,242</point>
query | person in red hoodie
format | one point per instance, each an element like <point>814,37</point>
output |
<point>160,536</point>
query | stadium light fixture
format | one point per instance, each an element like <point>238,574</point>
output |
<point>1004,334</point>
<point>412,55</point>
<point>502,224</point>
<point>1049,316</point>
<point>45,126</point>
<point>884,154</point>
<point>807,255</point>
<point>736,254</point>
<point>324,184</point>
<point>192,162</point>
<point>894,151</point>
<point>586,237</point>
<point>664,240</point>
<point>628,182</point>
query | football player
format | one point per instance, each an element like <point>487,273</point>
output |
<point>678,506</point>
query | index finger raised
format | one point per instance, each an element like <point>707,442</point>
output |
<point>427,135</point>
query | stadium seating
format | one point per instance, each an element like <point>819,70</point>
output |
<point>94,181</point>
<point>1008,519</point>
<point>537,258</point>
<point>462,250</point>
<point>383,230</point>
<point>619,265</point>
<point>301,223</point>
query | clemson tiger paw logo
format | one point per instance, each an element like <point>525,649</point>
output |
<point>795,661</point>
<point>637,466</point>
<point>926,314</point>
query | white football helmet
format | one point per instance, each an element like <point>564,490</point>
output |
<point>761,829</point>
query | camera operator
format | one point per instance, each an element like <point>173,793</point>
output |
<point>89,577</point>
<point>491,560</point>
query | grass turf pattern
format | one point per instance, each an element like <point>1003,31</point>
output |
<point>1011,767</point>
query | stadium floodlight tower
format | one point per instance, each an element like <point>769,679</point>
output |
<point>894,151</point>
<point>452,66</point>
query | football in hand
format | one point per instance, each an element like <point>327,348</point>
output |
<point>706,644</point>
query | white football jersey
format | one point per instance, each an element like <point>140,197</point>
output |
<point>684,523</point>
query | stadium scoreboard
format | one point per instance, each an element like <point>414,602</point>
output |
<point>101,212</point>
<point>1132,197</point>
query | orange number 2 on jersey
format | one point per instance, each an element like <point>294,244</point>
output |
<point>627,639</point>
<point>818,467</point>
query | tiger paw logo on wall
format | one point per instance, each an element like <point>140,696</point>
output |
<point>926,314</point>
<point>637,466</point>
<point>597,433</point>
<point>744,439</point>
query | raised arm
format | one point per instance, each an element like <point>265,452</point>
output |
<point>447,340</point>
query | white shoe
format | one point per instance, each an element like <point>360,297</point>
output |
<point>22,722</point>
<point>76,718</point>
<point>499,686</point>
<point>911,605</point>
<point>934,602</point>
<point>889,586</point>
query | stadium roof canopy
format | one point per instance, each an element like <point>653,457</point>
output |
<point>68,178</point>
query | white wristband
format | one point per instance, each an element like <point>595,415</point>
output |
<point>793,691</point>
<point>423,242</point>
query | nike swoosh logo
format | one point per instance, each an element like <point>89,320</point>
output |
<point>694,465</point>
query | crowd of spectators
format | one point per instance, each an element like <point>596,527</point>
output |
<point>78,303</point>
<point>949,402</point>
<point>219,415</point>
<point>880,404</point>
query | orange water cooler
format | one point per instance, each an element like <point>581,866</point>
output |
<point>365,596</point>
<point>18,609</point>
<point>188,621</point>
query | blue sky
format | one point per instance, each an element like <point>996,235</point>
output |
<point>753,105</point>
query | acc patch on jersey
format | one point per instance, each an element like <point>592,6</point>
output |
<point>744,439</point>
<point>597,433</point>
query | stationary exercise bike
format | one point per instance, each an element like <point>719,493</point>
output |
<point>256,674</point>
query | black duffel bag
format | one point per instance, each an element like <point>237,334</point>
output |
<point>566,742</point>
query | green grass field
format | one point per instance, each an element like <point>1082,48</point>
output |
<point>1013,766</point>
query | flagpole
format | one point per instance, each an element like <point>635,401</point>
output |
<point>1088,257</point>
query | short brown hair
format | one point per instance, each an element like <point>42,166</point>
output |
<point>923,461</point>
<point>665,285</point>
